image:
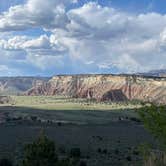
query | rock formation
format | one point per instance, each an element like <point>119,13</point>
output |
<point>5,99</point>
<point>105,87</point>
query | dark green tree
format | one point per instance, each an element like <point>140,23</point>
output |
<point>40,153</point>
<point>154,119</point>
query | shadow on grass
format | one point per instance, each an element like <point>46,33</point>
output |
<point>71,116</point>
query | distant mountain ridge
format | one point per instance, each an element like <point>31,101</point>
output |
<point>155,73</point>
<point>101,87</point>
<point>105,87</point>
<point>18,85</point>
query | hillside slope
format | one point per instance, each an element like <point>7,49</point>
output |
<point>155,73</point>
<point>18,85</point>
<point>105,87</point>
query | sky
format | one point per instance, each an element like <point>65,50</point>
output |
<point>50,37</point>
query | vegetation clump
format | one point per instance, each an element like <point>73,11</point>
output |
<point>40,153</point>
<point>75,153</point>
<point>154,119</point>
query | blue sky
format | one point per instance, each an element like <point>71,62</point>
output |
<point>70,37</point>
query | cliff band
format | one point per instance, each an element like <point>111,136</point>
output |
<point>105,87</point>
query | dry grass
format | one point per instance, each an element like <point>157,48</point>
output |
<point>155,158</point>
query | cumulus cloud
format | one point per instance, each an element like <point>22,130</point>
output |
<point>114,38</point>
<point>41,42</point>
<point>13,43</point>
<point>91,35</point>
<point>35,13</point>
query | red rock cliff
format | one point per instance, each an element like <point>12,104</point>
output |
<point>105,87</point>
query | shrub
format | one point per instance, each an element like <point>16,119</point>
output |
<point>75,152</point>
<point>5,162</point>
<point>83,163</point>
<point>105,151</point>
<point>99,150</point>
<point>40,153</point>
<point>65,162</point>
<point>154,118</point>
<point>128,158</point>
<point>156,159</point>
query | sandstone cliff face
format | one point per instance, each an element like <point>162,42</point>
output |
<point>105,87</point>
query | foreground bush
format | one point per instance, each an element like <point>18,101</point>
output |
<point>40,153</point>
<point>154,119</point>
<point>155,158</point>
<point>75,152</point>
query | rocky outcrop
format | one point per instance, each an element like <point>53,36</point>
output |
<point>5,99</point>
<point>105,87</point>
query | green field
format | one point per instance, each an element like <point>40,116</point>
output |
<point>64,103</point>
<point>79,111</point>
<point>57,108</point>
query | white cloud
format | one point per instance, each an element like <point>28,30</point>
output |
<point>13,43</point>
<point>38,45</point>
<point>41,42</point>
<point>89,35</point>
<point>35,13</point>
<point>46,62</point>
<point>118,39</point>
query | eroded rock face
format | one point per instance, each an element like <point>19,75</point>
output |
<point>100,87</point>
<point>5,99</point>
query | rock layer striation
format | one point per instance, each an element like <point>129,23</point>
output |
<point>105,87</point>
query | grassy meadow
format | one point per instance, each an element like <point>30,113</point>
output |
<point>66,103</point>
